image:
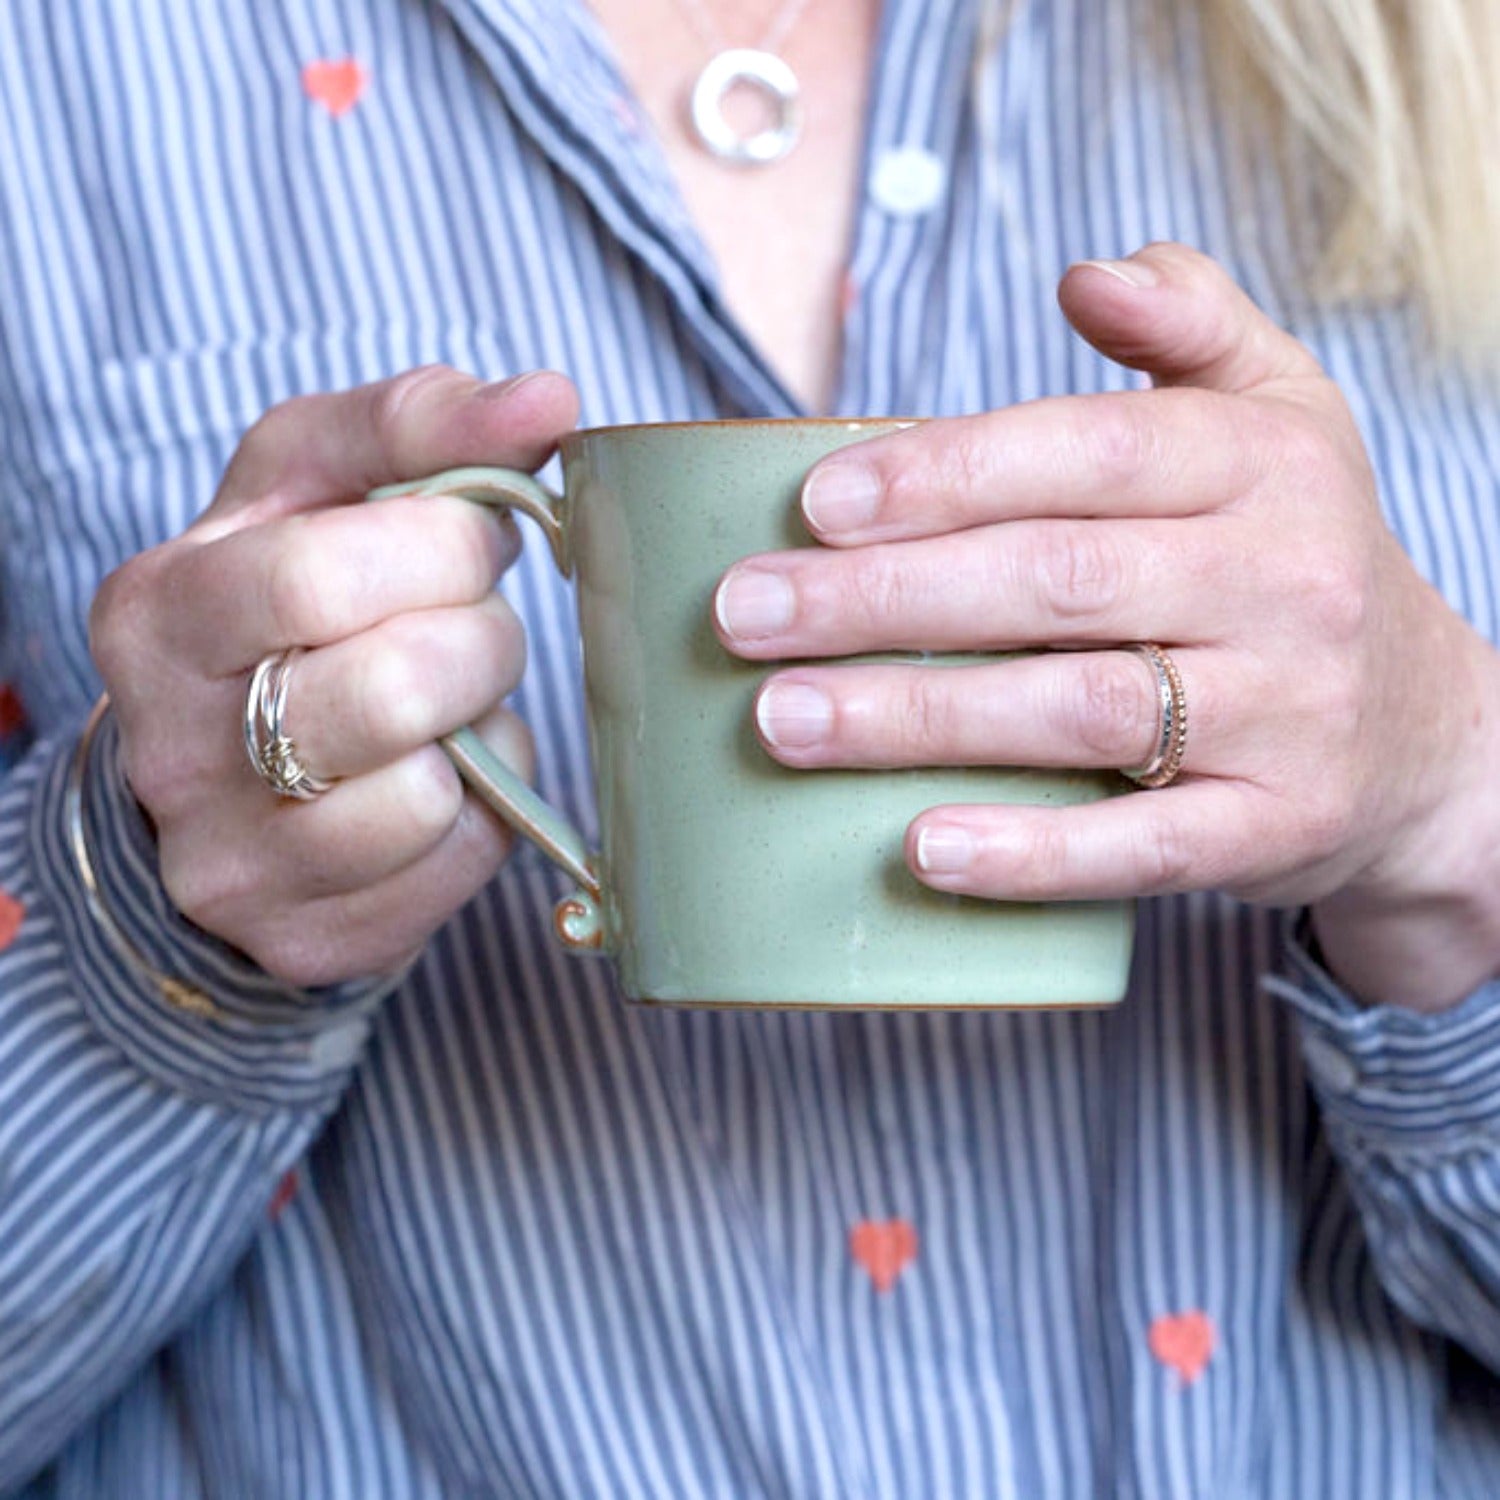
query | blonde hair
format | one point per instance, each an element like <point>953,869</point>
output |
<point>1395,106</point>
<point>1387,115</point>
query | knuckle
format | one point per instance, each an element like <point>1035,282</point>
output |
<point>1344,604</point>
<point>878,593</point>
<point>1303,443</point>
<point>393,705</point>
<point>479,545</point>
<point>266,431</point>
<point>505,643</point>
<point>1313,453</point>
<point>511,738</point>
<point>464,543</point>
<point>120,617</point>
<point>1107,710</point>
<point>1123,441</point>
<point>1164,856</point>
<point>1335,593</point>
<point>160,773</point>
<point>1328,821</point>
<point>961,470</point>
<point>480,843</point>
<point>114,601</point>
<point>201,889</point>
<point>1181,262</point>
<point>1075,570</point>
<point>945,470</point>
<point>1245,436</point>
<point>302,597</point>
<point>430,793</point>
<point>1341,707</point>
<point>393,413</point>
<point>1043,867</point>
<point>1321,834</point>
<point>297,955</point>
<point>909,487</point>
<point>929,720</point>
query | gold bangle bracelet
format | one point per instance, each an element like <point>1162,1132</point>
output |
<point>178,994</point>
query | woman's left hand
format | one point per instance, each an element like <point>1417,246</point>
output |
<point>1343,721</point>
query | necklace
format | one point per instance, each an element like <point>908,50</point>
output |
<point>758,68</point>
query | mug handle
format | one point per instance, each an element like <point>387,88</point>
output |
<point>579,916</point>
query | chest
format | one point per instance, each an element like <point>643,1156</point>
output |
<point>779,234</point>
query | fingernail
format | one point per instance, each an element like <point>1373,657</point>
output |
<point>944,850</point>
<point>1131,272</point>
<point>793,716</point>
<point>840,497</point>
<point>506,387</point>
<point>752,604</point>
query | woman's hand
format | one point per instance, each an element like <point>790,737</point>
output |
<point>405,641</point>
<point>1344,723</point>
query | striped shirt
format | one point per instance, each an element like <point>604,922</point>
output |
<point>490,1231</point>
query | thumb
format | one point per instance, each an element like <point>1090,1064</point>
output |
<point>1175,314</point>
<point>328,449</point>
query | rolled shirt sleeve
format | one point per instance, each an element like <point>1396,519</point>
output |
<point>1411,1103</point>
<point>271,1046</point>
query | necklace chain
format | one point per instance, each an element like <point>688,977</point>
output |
<point>776,32</point>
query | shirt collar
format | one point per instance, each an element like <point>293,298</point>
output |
<point>557,73</point>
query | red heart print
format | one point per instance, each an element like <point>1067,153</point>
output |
<point>1184,1342</point>
<point>335,84</point>
<point>12,715</point>
<point>286,1190</point>
<point>12,914</point>
<point>884,1249</point>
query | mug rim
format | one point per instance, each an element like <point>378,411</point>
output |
<point>846,424</point>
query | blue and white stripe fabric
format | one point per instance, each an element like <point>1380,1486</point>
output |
<point>495,1233</point>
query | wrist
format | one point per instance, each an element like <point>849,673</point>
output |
<point>1425,954</point>
<point>1421,928</point>
<point>171,990</point>
<point>1389,1077</point>
<point>265,1048</point>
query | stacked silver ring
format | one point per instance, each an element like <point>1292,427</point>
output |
<point>267,743</point>
<point>1165,761</point>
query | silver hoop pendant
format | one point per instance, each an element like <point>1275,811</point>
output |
<point>769,76</point>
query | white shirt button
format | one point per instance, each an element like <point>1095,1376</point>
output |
<point>338,1046</point>
<point>1329,1066</point>
<point>908,180</point>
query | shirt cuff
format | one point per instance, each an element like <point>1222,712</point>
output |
<point>1397,1079</point>
<point>271,1047</point>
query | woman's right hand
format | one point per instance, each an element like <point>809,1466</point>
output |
<point>405,640</point>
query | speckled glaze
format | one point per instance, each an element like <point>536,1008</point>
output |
<point>727,879</point>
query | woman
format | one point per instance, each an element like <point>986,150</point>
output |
<point>459,1222</point>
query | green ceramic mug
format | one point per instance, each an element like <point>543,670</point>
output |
<point>722,877</point>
